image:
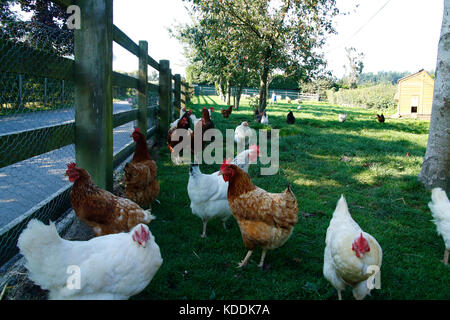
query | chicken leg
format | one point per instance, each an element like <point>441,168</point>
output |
<point>446,253</point>
<point>245,261</point>
<point>205,222</point>
<point>263,255</point>
<point>339,295</point>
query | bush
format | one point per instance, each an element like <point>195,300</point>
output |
<point>380,96</point>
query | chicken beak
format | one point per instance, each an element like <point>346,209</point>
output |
<point>220,173</point>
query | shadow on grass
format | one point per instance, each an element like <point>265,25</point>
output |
<point>379,183</point>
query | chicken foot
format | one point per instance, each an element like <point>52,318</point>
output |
<point>446,253</point>
<point>245,261</point>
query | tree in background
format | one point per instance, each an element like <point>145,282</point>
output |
<point>382,77</point>
<point>436,164</point>
<point>275,35</point>
<point>355,66</point>
<point>43,31</point>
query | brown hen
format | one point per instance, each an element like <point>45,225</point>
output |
<point>141,184</point>
<point>104,212</point>
<point>265,219</point>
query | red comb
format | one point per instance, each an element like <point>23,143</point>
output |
<point>204,108</point>
<point>254,147</point>
<point>71,165</point>
<point>137,130</point>
<point>361,241</point>
<point>225,163</point>
<point>212,108</point>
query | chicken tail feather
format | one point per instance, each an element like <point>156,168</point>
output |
<point>149,216</point>
<point>361,290</point>
<point>37,235</point>
<point>439,204</point>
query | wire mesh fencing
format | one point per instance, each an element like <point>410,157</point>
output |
<point>37,125</point>
<point>36,116</point>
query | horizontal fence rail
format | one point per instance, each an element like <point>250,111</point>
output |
<point>50,138</point>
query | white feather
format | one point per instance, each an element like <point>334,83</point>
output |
<point>440,210</point>
<point>112,266</point>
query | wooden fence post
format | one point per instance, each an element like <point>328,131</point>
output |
<point>165,96</point>
<point>177,94</point>
<point>142,90</point>
<point>93,91</point>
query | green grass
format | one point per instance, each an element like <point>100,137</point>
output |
<point>384,198</point>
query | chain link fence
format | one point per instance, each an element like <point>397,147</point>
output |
<point>37,123</point>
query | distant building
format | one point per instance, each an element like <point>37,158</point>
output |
<point>414,95</point>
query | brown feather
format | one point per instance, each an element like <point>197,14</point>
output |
<point>265,219</point>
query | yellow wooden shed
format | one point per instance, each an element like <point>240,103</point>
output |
<point>414,95</point>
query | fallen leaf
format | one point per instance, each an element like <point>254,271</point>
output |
<point>369,164</point>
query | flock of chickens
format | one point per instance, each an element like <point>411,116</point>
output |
<point>123,257</point>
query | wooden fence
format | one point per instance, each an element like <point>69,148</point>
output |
<point>92,131</point>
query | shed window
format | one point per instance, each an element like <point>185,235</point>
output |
<point>414,104</point>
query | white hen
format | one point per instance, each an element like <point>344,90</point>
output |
<point>342,117</point>
<point>242,131</point>
<point>115,266</point>
<point>351,255</point>
<point>195,119</point>
<point>440,210</point>
<point>208,192</point>
<point>264,118</point>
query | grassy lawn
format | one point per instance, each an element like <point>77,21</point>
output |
<point>379,183</point>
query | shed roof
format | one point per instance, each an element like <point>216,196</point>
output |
<point>414,74</point>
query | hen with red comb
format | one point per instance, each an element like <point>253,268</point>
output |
<point>103,211</point>
<point>350,253</point>
<point>208,192</point>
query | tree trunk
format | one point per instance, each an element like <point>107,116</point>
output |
<point>238,95</point>
<point>221,89</point>
<point>228,92</point>
<point>263,89</point>
<point>436,164</point>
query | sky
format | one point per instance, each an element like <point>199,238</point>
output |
<point>402,36</point>
<point>393,35</point>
